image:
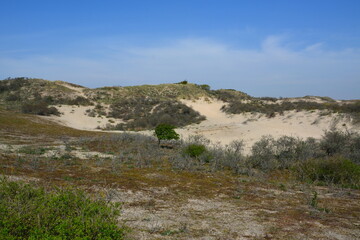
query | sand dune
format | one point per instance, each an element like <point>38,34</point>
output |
<point>223,128</point>
<point>76,117</point>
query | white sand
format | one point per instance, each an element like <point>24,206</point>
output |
<point>76,117</point>
<point>224,128</point>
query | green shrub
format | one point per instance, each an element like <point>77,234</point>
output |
<point>347,144</point>
<point>13,97</point>
<point>271,99</point>
<point>79,100</point>
<point>148,113</point>
<point>269,153</point>
<point>194,150</point>
<point>334,142</point>
<point>166,132</point>
<point>13,84</point>
<point>183,82</point>
<point>230,95</point>
<point>354,149</point>
<point>263,154</point>
<point>334,170</point>
<point>32,213</point>
<point>204,87</point>
<point>39,108</point>
<point>236,106</point>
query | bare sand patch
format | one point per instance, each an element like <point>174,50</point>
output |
<point>223,128</point>
<point>76,117</point>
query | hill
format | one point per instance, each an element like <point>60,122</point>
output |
<point>241,185</point>
<point>220,115</point>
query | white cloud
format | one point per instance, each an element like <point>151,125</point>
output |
<point>314,47</point>
<point>272,69</point>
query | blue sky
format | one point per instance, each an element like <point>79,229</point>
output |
<point>264,48</point>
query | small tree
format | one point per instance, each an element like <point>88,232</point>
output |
<point>165,132</point>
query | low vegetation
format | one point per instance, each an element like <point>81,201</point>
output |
<point>29,212</point>
<point>236,106</point>
<point>218,182</point>
<point>148,113</point>
<point>39,108</point>
<point>37,96</point>
<point>194,150</point>
<point>333,170</point>
<point>153,104</point>
<point>199,154</point>
<point>216,187</point>
<point>332,160</point>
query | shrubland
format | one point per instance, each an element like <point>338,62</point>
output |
<point>281,180</point>
<point>140,107</point>
<point>267,155</point>
<point>287,171</point>
<point>148,113</point>
<point>237,106</point>
<point>197,153</point>
<point>146,106</point>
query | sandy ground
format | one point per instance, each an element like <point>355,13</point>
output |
<point>223,128</point>
<point>76,117</point>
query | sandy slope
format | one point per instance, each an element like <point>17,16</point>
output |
<point>78,90</point>
<point>224,128</point>
<point>76,117</point>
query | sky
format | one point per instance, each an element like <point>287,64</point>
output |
<point>276,48</point>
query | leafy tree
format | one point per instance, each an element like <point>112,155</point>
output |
<point>165,132</point>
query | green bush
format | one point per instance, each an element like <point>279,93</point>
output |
<point>39,108</point>
<point>166,132</point>
<point>32,213</point>
<point>236,106</point>
<point>13,84</point>
<point>269,153</point>
<point>148,113</point>
<point>334,142</point>
<point>333,170</point>
<point>183,82</point>
<point>263,154</point>
<point>347,144</point>
<point>13,97</point>
<point>204,87</point>
<point>194,150</point>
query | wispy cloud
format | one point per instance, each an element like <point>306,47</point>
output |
<point>273,69</point>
